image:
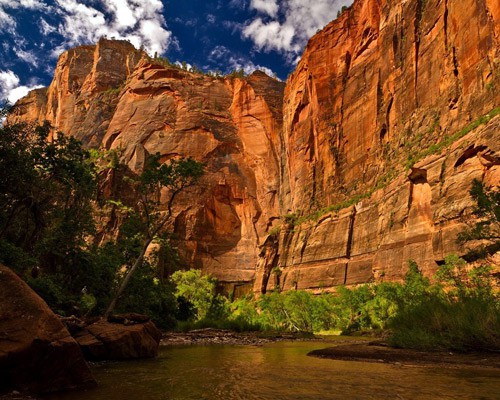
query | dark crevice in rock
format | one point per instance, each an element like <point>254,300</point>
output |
<point>350,233</point>
<point>417,176</point>
<point>455,62</point>
<point>269,255</point>
<point>418,20</point>
<point>469,153</point>
<point>445,24</point>
<point>345,273</point>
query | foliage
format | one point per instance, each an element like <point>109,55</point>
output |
<point>46,192</point>
<point>487,229</point>
<point>145,221</point>
<point>197,289</point>
<point>460,312</point>
<point>447,141</point>
<point>147,294</point>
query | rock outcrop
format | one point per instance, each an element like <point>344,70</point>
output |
<point>37,353</point>
<point>386,106</point>
<point>122,338</point>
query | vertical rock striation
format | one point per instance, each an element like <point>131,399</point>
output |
<point>370,148</point>
<point>373,92</point>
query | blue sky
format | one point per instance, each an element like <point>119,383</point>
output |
<point>213,34</point>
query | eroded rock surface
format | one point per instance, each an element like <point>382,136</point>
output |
<point>37,353</point>
<point>118,339</point>
<point>374,90</point>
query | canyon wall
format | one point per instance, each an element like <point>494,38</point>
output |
<point>142,106</point>
<point>361,162</point>
<point>372,95</point>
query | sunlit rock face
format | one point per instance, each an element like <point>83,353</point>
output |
<point>354,125</point>
<point>113,96</point>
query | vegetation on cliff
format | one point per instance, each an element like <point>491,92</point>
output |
<point>52,209</point>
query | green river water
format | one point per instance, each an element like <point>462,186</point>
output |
<point>277,371</point>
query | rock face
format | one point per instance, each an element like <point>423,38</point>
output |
<point>37,353</point>
<point>385,78</point>
<point>118,340</point>
<point>417,216</point>
<point>232,125</point>
<point>374,93</point>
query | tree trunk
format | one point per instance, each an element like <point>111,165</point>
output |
<point>123,285</point>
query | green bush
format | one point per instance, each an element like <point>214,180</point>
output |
<point>460,312</point>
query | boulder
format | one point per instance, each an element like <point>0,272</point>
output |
<point>37,353</point>
<point>121,337</point>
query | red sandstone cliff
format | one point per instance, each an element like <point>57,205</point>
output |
<point>139,106</point>
<point>373,91</point>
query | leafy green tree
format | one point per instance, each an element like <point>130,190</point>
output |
<point>197,289</point>
<point>146,215</point>
<point>487,229</point>
<point>46,190</point>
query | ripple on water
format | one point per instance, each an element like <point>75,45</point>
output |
<point>277,371</point>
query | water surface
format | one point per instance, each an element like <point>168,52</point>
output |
<point>277,371</point>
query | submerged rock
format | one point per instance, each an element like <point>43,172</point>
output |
<point>37,353</point>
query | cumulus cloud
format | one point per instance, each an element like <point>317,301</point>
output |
<point>139,21</point>
<point>269,7</point>
<point>289,24</point>
<point>7,22</point>
<point>11,89</point>
<point>221,55</point>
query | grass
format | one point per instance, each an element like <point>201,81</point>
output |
<point>450,139</point>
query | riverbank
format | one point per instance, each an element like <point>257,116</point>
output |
<point>210,336</point>
<point>377,352</point>
<point>15,395</point>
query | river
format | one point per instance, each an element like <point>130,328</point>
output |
<point>277,371</point>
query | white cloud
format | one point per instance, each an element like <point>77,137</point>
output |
<point>269,7</point>
<point>46,28</point>
<point>140,22</point>
<point>221,55</point>
<point>10,88</point>
<point>7,22</point>
<point>26,56</point>
<point>271,35</point>
<point>291,25</point>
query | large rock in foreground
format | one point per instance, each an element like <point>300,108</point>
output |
<point>123,338</point>
<point>37,353</point>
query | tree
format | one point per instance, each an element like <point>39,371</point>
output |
<point>176,176</point>
<point>195,288</point>
<point>487,229</point>
<point>46,190</point>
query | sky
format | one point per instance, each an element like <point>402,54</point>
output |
<point>214,35</point>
